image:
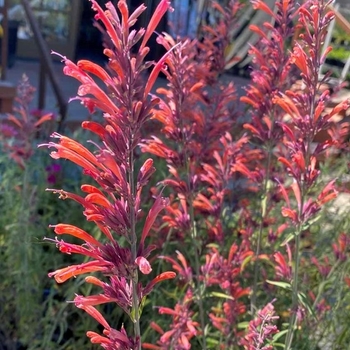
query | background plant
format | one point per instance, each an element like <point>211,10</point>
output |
<point>33,312</point>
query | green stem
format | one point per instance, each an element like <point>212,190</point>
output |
<point>197,268</point>
<point>195,237</point>
<point>133,236</point>
<point>263,205</point>
<point>322,285</point>
<point>293,315</point>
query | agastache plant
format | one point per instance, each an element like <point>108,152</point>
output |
<point>196,113</point>
<point>20,128</point>
<point>307,117</point>
<point>114,203</point>
<point>271,74</point>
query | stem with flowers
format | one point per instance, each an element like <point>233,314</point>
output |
<point>114,204</point>
<point>270,77</point>
<point>220,219</point>
<point>306,109</point>
<point>293,317</point>
<point>133,234</point>
<point>200,286</point>
<point>263,213</point>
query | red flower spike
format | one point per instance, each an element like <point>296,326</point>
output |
<point>151,346</point>
<point>156,327</point>
<point>74,151</point>
<point>43,119</point>
<point>114,203</point>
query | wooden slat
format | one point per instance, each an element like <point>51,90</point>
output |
<point>4,39</point>
<point>45,59</point>
<point>340,19</point>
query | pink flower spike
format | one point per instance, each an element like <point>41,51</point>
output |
<point>163,7</point>
<point>143,265</point>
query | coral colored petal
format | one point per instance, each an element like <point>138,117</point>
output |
<point>66,273</point>
<point>92,311</point>
<point>159,204</point>
<point>77,232</point>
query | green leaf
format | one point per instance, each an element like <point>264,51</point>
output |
<point>221,295</point>
<point>304,301</point>
<point>242,325</point>
<point>212,342</point>
<point>279,335</point>
<point>213,245</point>
<point>310,222</point>
<point>288,239</point>
<point>283,285</point>
<point>142,305</point>
<point>246,261</point>
<point>280,345</point>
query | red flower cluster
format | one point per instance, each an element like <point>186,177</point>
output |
<point>114,205</point>
<point>261,329</point>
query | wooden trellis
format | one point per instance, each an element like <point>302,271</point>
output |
<point>7,89</point>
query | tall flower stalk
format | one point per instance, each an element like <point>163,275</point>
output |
<point>114,204</point>
<point>196,114</point>
<point>306,110</point>
<point>271,74</point>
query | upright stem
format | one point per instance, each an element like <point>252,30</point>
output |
<point>197,268</point>
<point>253,305</point>
<point>295,284</point>
<point>293,315</point>
<point>194,237</point>
<point>134,280</point>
